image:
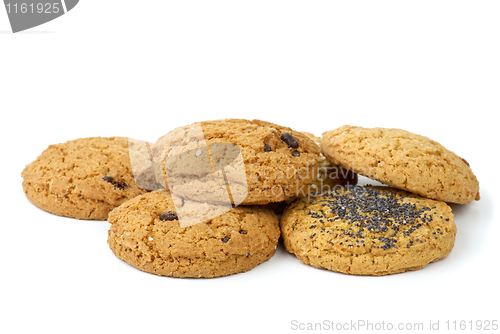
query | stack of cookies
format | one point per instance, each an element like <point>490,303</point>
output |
<point>204,200</point>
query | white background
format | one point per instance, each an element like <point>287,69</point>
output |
<point>139,69</point>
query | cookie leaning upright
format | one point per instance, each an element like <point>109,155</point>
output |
<point>145,232</point>
<point>403,160</point>
<point>368,230</point>
<point>276,161</point>
<point>83,178</point>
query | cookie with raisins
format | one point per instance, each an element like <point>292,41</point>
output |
<point>84,178</point>
<point>146,232</point>
<point>261,162</point>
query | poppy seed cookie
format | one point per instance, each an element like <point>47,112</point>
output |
<point>368,230</point>
<point>145,233</point>
<point>83,178</point>
<point>403,160</point>
<point>277,162</point>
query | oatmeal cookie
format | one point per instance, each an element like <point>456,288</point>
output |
<point>84,178</point>
<point>145,232</point>
<point>404,160</point>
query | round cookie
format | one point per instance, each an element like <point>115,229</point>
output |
<point>368,230</point>
<point>145,233</point>
<point>277,162</point>
<point>83,178</point>
<point>403,160</point>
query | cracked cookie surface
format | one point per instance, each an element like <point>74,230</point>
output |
<point>84,178</point>
<point>368,230</point>
<point>278,161</point>
<point>145,233</point>
<point>404,160</point>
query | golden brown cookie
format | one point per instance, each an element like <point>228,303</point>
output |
<point>277,162</point>
<point>368,230</point>
<point>145,233</point>
<point>403,160</point>
<point>83,178</point>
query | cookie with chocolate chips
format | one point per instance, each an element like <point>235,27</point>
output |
<point>266,162</point>
<point>404,160</point>
<point>146,233</point>
<point>368,230</point>
<point>84,178</point>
